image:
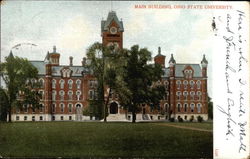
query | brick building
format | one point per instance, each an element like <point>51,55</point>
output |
<point>67,89</point>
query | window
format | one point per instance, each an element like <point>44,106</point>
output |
<point>17,118</point>
<point>178,95</point>
<point>192,95</point>
<point>70,94</point>
<point>41,82</point>
<point>53,95</point>
<point>91,83</point>
<point>33,118</point>
<point>53,117</point>
<point>192,84</point>
<point>185,84</point>
<point>185,94</point>
<point>178,84</point>
<point>17,109</point>
<point>78,84</point>
<point>179,107</point>
<point>53,83</point>
<point>33,110</point>
<point>61,84</point>
<point>188,73</point>
<point>70,83</point>
<point>166,107</point>
<point>78,95</point>
<point>41,117</point>
<point>25,118</point>
<point>53,108</point>
<point>66,72</point>
<point>91,94</point>
<point>70,107</point>
<point>198,84</point>
<point>61,95</point>
<point>41,107</point>
<point>167,95</point>
<point>185,107</point>
<point>62,107</point>
<point>70,117</point>
<point>199,95</point>
<point>192,107</point>
<point>166,83</point>
<point>199,108</point>
<point>25,108</point>
<point>61,117</point>
<point>42,94</point>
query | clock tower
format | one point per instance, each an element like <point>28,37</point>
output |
<point>112,31</point>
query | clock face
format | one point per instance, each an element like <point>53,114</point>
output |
<point>113,30</point>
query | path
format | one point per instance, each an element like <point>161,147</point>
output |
<point>184,127</point>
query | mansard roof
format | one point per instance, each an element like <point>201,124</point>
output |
<point>40,65</point>
<point>111,16</point>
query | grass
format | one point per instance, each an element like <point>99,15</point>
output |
<point>82,139</point>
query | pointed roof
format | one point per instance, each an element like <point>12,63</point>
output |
<point>204,60</point>
<point>172,60</point>
<point>111,16</point>
<point>11,54</point>
<point>159,52</point>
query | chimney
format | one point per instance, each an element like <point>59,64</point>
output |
<point>84,61</point>
<point>54,49</point>
<point>71,61</point>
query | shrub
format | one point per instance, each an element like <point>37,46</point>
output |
<point>171,119</point>
<point>180,119</point>
<point>191,119</point>
<point>200,119</point>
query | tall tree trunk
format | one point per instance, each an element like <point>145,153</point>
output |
<point>9,113</point>
<point>105,106</point>
<point>133,114</point>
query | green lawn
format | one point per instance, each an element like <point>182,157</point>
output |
<point>82,139</point>
<point>204,125</point>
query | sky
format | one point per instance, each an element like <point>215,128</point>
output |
<point>74,25</point>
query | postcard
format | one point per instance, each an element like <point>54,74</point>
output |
<point>124,79</point>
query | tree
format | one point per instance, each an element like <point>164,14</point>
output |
<point>20,77</point>
<point>210,108</point>
<point>106,64</point>
<point>141,80</point>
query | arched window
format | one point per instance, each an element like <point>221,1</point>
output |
<point>70,94</point>
<point>41,81</point>
<point>78,84</point>
<point>192,107</point>
<point>185,94</point>
<point>91,94</point>
<point>199,95</point>
<point>179,107</point>
<point>41,108</point>
<point>25,106</point>
<point>70,106</point>
<point>178,84</point>
<point>62,107</point>
<point>78,95</point>
<point>53,95</point>
<point>61,84</point>
<point>185,107</point>
<point>53,108</point>
<point>42,94</point>
<point>178,94</point>
<point>185,83</point>
<point>61,95</point>
<point>199,108</point>
<point>166,106</point>
<point>166,83</point>
<point>192,95</point>
<point>70,83</point>
<point>192,84</point>
<point>53,83</point>
<point>198,84</point>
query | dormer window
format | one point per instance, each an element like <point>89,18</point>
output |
<point>188,73</point>
<point>66,73</point>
